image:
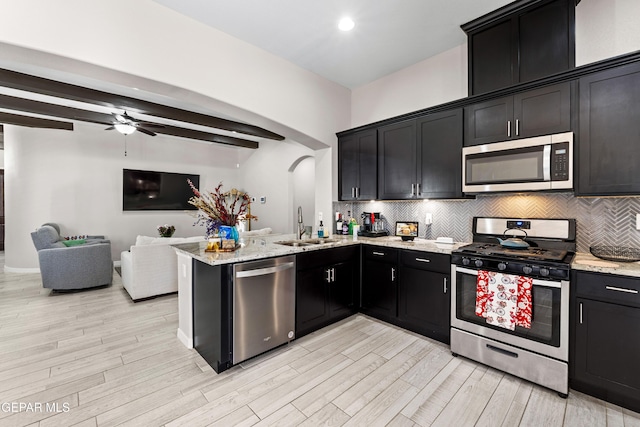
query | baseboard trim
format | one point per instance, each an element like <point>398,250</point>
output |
<point>8,269</point>
<point>184,339</point>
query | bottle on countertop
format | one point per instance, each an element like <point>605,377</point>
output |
<point>320,226</point>
<point>345,223</point>
<point>338,223</point>
<point>352,222</point>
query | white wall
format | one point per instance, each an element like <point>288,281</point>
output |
<point>302,181</point>
<point>439,79</point>
<point>75,179</point>
<point>266,173</point>
<point>604,28</point>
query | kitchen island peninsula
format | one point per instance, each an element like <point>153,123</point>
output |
<point>212,303</point>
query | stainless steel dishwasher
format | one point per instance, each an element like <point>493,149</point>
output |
<point>263,305</point>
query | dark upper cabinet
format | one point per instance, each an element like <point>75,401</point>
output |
<point>491,54</point>
<point>609,147</point>
<point>357,163</point>
<point>535,112</point>
<point>439,157</point>
<point>327,284</point>
<point>421,158</point>
<point>605,338</point>
<point>521,42</point>
<point>397,147</point>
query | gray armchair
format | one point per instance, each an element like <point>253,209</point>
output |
<point>75,267</point>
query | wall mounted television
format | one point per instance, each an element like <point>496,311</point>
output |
<point>156,191</point>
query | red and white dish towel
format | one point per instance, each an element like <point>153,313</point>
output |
<point>504,299</point>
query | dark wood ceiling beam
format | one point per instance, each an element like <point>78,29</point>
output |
<point>33,122</point>
<point>206,136</point>
<point>54,110</point>
<point>29,83</point>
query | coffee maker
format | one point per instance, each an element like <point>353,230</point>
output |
<point>372,225</point>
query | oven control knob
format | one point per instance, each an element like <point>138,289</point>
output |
<point>544,271</point>
<point>466,261</point>
<point>502,266</point>
<point>527,269</point>
<point>478,263</point>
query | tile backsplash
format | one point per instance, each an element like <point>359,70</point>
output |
<point>600,221</point>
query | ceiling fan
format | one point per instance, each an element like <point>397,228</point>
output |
<point>126,125</point>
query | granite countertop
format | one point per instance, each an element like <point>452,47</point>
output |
<point>259,247</point>
<point>588,262</point>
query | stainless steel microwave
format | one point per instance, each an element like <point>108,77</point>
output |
<point>530,164</point>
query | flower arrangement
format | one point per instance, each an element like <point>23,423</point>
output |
<point>216,208</point>
<point>166,230</point>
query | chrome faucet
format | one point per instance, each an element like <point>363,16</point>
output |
<point>300,223</point>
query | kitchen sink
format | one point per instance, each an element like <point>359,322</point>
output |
<point>308,242</point>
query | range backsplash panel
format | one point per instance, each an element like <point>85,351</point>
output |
<point>600,221</point>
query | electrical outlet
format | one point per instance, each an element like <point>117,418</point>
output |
<point>263,199</point>
<point>428,219</point>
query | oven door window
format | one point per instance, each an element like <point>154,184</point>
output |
<point>545,324</point>
<point>508,166</point>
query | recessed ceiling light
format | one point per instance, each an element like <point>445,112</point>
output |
<point>346,24</point>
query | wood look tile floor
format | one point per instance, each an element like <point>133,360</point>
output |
<point>97,359</point>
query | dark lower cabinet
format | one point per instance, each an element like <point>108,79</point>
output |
<point>326,287</point>
<point>608,151</point>
<point>379,282</point>
<point>408,288</point>
<point>605,338</point>
<point>424,304</point>
<point>212,311</point>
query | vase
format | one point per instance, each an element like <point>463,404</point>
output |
<point>229,232</point>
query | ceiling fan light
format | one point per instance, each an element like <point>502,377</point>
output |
<point>124,128</point>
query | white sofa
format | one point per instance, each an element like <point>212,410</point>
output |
<point>150,267</point>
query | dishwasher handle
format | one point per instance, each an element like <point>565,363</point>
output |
<point>265,271</point>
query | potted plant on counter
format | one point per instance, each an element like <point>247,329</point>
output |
<point>219,213</point>
<point>166,230</point>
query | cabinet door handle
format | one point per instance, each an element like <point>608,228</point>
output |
<point>328,275</point>
<point>517,127</point>
<point>509,128</point>
<point>353,192</point>
<point>423,260</point>
<point>417,189</point>
<point>581,313</point>
<point>613,288</point>
<point>393,274</point>
<point>333,274</point>
<point>445,285</point>
<point>357,192</point>
<point>378,253</point>
<point>413,189</point>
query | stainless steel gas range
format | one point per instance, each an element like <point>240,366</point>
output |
<point>529,257</point>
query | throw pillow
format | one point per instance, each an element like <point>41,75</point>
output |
<point>76,242</point>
